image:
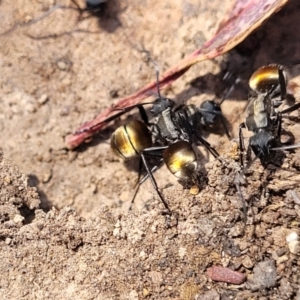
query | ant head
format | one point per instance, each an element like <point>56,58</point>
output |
<point>160,105</point>
<point>261,144</point>
<point>210,110</point>
<point>94,3</point>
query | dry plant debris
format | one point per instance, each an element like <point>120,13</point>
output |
<point>65,229</point>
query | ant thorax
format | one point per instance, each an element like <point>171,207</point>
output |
<point>164,129</point>
<point>258,113</point>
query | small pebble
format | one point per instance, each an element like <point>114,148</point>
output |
<point>143,255</point>
<point>18,219</point>
<point>47,176</point>
<point>43,99</point>
<point>146,292</point>
<point>282,259</point>
<point>62,65</point>
<point>7,179</point>
<point>208,295</point>
<point>293,236</point>
<point>124,196</point>
<point>247,262</point>
<point>281,251</point>
<point>294,247</point>
<point>264,275</point>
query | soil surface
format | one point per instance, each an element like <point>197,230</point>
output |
<point>66,232</point>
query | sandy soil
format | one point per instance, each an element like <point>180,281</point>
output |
<point>65,227</point>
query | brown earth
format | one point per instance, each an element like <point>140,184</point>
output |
<point>65,227</point>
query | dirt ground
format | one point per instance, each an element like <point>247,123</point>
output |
<point>65,227</point>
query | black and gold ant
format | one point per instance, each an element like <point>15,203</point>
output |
<point>169,136</point>
<point>262,115</point>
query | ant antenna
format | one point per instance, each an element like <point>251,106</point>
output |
<point>149,58</point>
<point>235,82</point>
<point>157,75</point>
<point>295,146</point>
<point>157,80</point>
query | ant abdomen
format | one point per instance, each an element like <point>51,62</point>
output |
<point>266,79</point>
<point>181,159</point>
<point>130,140</point>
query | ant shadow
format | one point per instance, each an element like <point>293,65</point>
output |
<point>45,204</point>
<point>106,12</point>
<point>34,181</point>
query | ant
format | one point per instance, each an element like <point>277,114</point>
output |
<point>169,137</point>
<point>264,119</point>
<point>262,116</point>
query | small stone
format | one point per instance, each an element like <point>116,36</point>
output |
<point>65,111</point>
<point>30,107</point>
<point>146,292</point>
<point>143,255</point>
<point>43,99</point>
<point>7,179</point>
<point>118,225</point>
<point>281,251</point>
<point>182,252</point>
<point>18,219</point>
<point>282,259</point>
<point>28,18</point>
<point>281,268</point>
<point>47,176</point>
<point>62,65</point>
<point>285,288</point>
<point>293,236</point>
<point>116,232</point>
<point>208,295</point>
<point>47,157</point>
<point>124,196</point>
<point>294,247</point>
<point>7,241</point>
<point>264,275</point>
<point>247,262</point>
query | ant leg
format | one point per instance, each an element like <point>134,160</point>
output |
<point>207,145</point>
<point>279,124</point>
<point>282,83</point>
<point>241,142</point>
<point>154,183</point>
<point>137,183</point>
<point>235,82</point>
<point>143,114</point>
<point>225,127</point>
<point>211,110</point>
<point>280,115</point>
<point>152,171</point>
<point>149,151</point>
<point>291,109</point>
<point>141,181</point>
